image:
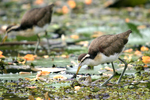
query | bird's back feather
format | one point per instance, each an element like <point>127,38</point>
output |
<point>108,44</point>
<point>36,17</point>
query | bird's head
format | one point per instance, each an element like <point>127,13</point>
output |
<point>83,59</point>
<point>51,6</point>
<point>8,30</point>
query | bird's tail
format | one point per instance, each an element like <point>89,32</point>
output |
<point>125,34</point>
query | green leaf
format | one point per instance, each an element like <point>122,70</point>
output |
<point>31,38</point>
<point>134,29</point>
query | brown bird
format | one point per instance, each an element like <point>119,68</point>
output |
<point>37,19</point>
<point>106,48</point>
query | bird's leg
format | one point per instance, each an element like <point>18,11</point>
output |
<point>114,73</point>
<point>47,42</point>
<point>37,44</point>
<point>126,65</point>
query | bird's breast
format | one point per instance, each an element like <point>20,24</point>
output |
<point>38,29</point>
<point>101,58</point>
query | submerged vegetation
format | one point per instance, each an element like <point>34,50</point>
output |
<point>74,25</point>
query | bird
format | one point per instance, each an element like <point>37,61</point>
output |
<point>37,19</point>
<point>104,49</point>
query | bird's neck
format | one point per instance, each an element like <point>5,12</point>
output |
<point>14,28</point>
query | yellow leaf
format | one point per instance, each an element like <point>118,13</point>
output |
<point>72,3</point>
<point>65,9</point>
<point>75,37</point>
<point>143,48</point>
<point>138,53</point>
<point>77,88</point>
<point>29,57</point>
<point>146,59</point>
<point>128,50</point>
<point>39,2</point>
<point>59,77</point>
<point>88,2</point>
<point>127,20</point>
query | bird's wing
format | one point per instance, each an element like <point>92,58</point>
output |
<point>107,44</point>
<point>28,19</point>
<point>44,16</point>
<point>36,16</point>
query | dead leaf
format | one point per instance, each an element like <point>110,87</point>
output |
<point>107,3</point>
<point>1,56</point>
<point>46,96</point>
<point>143,48</point>
<point>75,37</point>
<point>72,3</point>
<point>138,53</point>
<point>128,50</point>
<point>31,97</point>
<point>97,34</point>
<point>122,65</point>
<point>41,73</point>
<point>28,79</point>
<point>59,77</point>
<point>108,68</point>
<point>39,2</point>
<point>29,57</point>
<point>84,43</point>
<point>128,57</point>
<point>141,27</point>
<point>24,73</point>
<point>146,59</point>
<point>64,56</point>
<point>38,98</point>
<point>46,56</point>
<point>88,2</point>
<point>127,20</point>
<point>77,88</point>
<point>65,9</point>
<point>145,66</point>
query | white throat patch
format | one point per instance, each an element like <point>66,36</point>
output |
<point>87,55</point>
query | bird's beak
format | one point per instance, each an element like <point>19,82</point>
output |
<point>78,69</point>
<point>4,38</point>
